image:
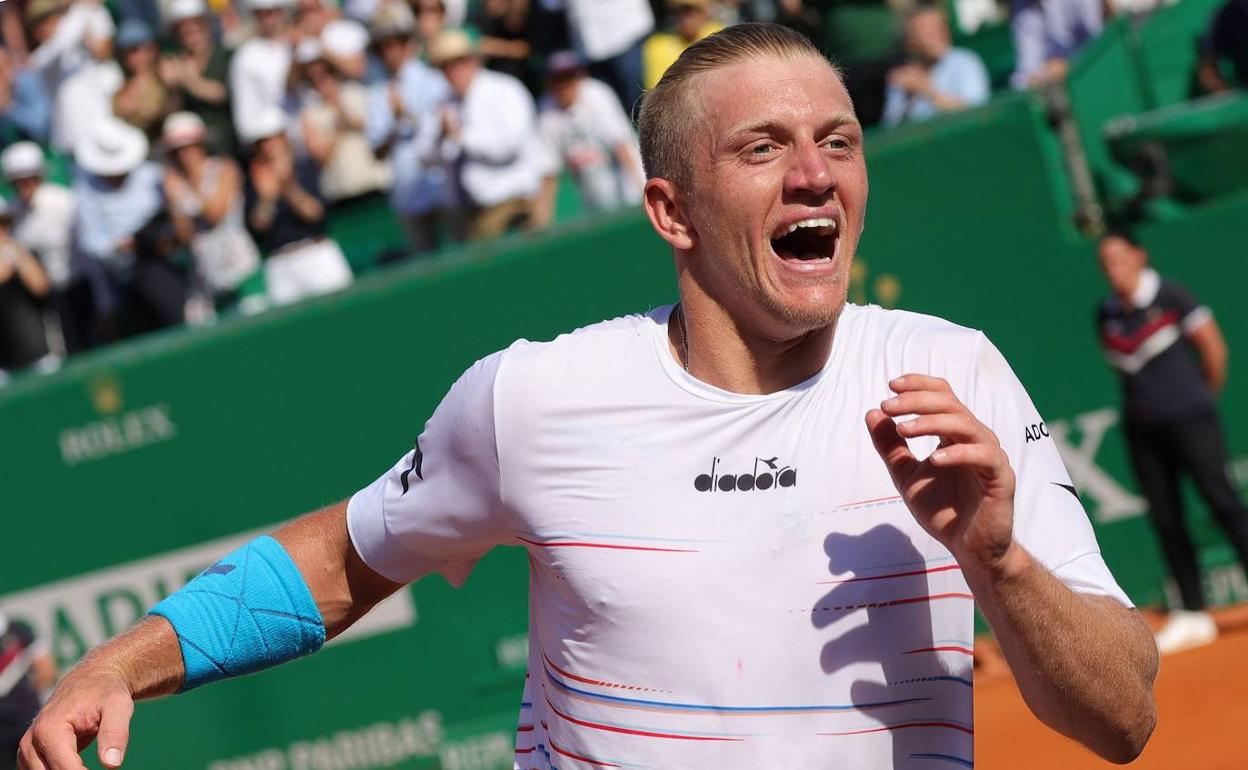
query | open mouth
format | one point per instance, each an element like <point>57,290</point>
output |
<point>806,241</point>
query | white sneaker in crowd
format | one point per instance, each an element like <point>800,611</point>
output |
<point>1185,630</point>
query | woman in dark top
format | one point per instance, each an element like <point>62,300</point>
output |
<point>506,34</point>
<point>23,285</point>
<point>197,72</point>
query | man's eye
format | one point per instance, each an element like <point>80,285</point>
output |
<point>762,149</point>
<point>838,143</point>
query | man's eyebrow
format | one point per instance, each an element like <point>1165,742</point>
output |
<point>766,125</point>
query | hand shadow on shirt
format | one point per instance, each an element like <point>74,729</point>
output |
<point>891,630</point>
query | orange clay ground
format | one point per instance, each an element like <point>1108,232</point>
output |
<point>1202,700</point>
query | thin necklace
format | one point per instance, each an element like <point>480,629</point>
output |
<point>684,336</point>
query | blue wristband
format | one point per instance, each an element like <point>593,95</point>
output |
<point>247,612</point>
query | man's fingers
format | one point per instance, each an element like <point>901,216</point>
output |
<point>57,745</point>
<point>978,456</point>
<point>950,428</point>
<point>114,735</point>
<point>27,757</point>
<point>921,402</point>
<point>890,445</point>
<point>910,382</point>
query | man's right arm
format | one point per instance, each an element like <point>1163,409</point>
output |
<point>96,699</point>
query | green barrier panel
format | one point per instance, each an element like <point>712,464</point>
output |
<point>133,468</point>
<point>1168,52</point>
<point>1203,141</point>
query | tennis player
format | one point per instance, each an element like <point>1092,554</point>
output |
<point>758,520</point>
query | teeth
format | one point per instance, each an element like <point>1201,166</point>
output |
<point>818,222</point>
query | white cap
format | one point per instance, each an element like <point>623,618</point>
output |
<point>21,160</point>
<point>111,148</point>
<point>177,10</point>
<point>271,122</point>
<point>181,129</point>
<point>344,38</point>
<point>309,50</point>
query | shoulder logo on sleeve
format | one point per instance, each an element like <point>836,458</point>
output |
<point>418,457</point>
<point>1036,431</point>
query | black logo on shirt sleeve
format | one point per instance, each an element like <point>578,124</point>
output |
<point>1036,431</point>
<point>418,457</point>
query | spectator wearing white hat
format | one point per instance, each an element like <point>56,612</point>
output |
<point>331,111</point>
<point>403,128</point>
<point>584,124</point>
<point>43,221</point>
<point>260,67</point>
<point>72,54</point>
<point>120,200</point>
<point>23,286</point>
<point>205,199</point>
<point>489,137</point>
<point>286,216</point>
<point>197,71</point>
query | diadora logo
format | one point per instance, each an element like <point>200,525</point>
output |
<point>772,475</point>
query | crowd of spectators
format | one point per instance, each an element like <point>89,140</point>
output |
<point>207,144</point>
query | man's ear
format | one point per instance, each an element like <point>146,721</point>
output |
<point>667,215</point>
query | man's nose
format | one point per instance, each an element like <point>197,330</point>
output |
<point>810,170</point>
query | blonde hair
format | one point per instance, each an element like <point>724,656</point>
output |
<point>668,111</point>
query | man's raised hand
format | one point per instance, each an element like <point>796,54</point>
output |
<point>963,494</point>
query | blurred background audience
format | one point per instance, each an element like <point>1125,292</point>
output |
<point>214,149</point>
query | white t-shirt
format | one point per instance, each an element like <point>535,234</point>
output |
<point>585,136</point>
<point>46,229</point>
<point>498,151</point>
<point>601,29</point>
<point>258,73</point>
<point>720,580</point>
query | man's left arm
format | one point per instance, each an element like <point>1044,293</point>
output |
<point>1211,347</point>
<point>1084,663</point>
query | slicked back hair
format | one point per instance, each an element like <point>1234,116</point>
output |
<point>668,111</point>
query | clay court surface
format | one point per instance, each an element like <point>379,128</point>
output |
<point>1202,698</point>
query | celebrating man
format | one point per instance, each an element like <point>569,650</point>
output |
<point>728,569</point>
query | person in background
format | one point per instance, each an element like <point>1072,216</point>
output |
<point>143,100</point>
<point>609,34</point>
<point>488,135</point>
<point>331,112</point>
<point>507,39</point>
<point>25,110</point>
<point>73,42</point>
<point>346,47</point>
<point>938,77</point>
<point>205,199</point>
<point>1047,35</point>
<point>1225,40</point>
<point>43,217</point>
<point>1171,359</point>
<point>690,22</point>
<point>430,19</point>
<point>197,70</point>
<point>260,67</point>
<point>118,236</point>
<point>403,128</point>
<point>23,287</point>
<point>26,663</point>
<point>583,123</point>
<point>286,216</point>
